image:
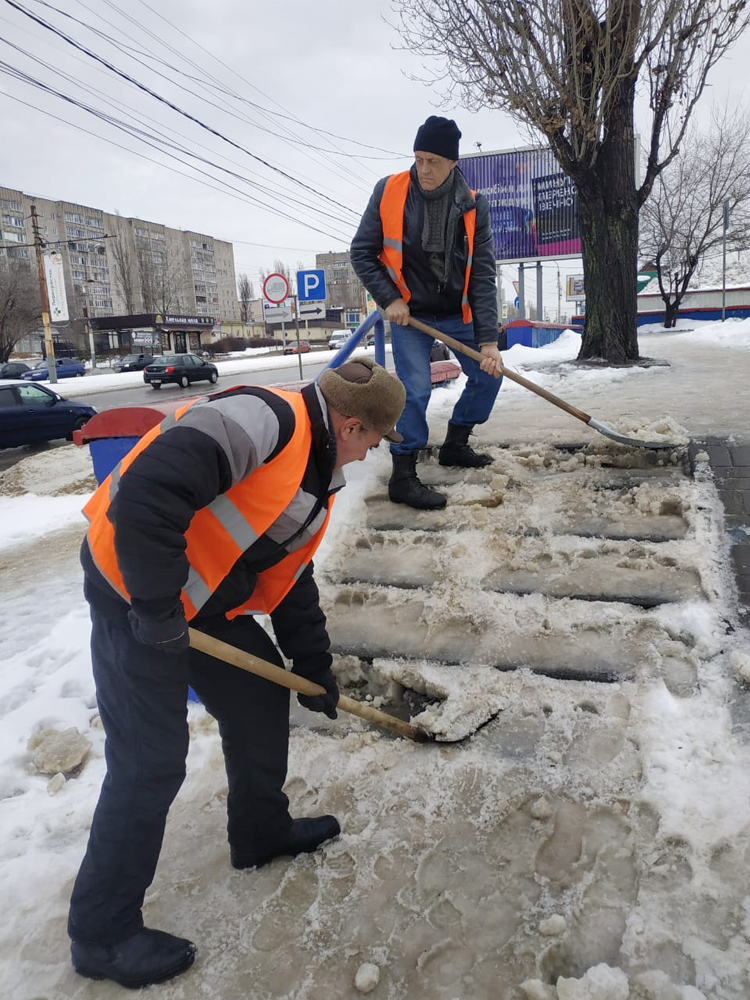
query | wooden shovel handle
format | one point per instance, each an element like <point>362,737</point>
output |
<point>262,668</point>
<point>456,345</point>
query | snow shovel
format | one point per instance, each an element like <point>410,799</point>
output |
<point>262,668</point>
<point>596,425</point>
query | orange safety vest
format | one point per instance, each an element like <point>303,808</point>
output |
<point>392,206</point>
<point>219,533</point>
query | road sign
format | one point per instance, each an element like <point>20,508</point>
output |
<point>312,310</point>
<point>276,288</point>
<point>311,285</point>
<point>516,303</point>
<point>278,314</point>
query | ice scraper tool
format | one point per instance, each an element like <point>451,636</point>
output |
<point>596,425</point>
<point>255,665</point>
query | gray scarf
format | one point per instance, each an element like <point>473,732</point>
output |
<point>435,236</point>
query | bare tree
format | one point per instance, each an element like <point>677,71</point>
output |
<point>20,305</point>
<point>246,293</point>
<point>570,70</point>
<point>279,267</point>
<point>682,222</point>
<point>125,265</point>
<point>163,280</point>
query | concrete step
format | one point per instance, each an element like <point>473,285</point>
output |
<point>564,639</point>
<point>560,567</point>
<point>498,510</point>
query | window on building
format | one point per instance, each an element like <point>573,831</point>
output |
<point>72,233</point>
<point>74,217</point>
<point>140,231</point>
<point>13,220</point>
<point>93,222</point>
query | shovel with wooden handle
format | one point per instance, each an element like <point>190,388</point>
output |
<point>262,668</point>
<point>596,425</point>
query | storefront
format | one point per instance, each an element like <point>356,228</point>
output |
<point>152,333</point>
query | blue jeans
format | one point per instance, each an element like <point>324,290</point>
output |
<point>411,355</point>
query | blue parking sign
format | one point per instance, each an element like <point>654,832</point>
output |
<point>311,285</point>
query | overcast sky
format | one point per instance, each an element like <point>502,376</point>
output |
<point>264,75</point>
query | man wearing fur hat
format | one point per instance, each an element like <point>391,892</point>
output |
<point>424,248</point>
<point>211,519</point>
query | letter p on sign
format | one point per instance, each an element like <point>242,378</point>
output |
<point>311,285</point>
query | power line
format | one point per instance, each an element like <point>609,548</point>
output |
<point>341,169</point>
<point>159,125</point>
<point>149,159</point>
<point>174,107</point>
<point>139,134</point>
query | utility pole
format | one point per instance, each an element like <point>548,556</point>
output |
<point>724,262</point>
<point>48,344</point>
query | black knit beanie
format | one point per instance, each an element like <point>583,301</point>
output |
<point>438,135</point>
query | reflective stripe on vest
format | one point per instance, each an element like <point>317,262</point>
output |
<point>392,206</point>
<point>219,533</point>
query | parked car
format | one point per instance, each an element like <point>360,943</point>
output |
<point>180,368</point>
<point>133,363</point>
<point>66,368</point>
<point>13,369</point>
<point>338,339</point>
<point>304,348</point>
<point>31,413</point>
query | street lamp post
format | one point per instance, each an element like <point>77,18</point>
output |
<point>724,262</point>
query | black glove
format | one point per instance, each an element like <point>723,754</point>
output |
<point>169,635</point>
<point>318,673</point>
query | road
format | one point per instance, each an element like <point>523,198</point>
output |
<point>143,395</point>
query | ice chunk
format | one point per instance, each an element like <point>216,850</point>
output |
<point>601,982</point>
<point>552,926</point>
<point>367,978</point>
<point>58,751</point>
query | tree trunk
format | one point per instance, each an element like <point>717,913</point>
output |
<point>672,308</point>
<point>608,224</point>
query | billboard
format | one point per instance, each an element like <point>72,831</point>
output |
<point>533,204</point>
<point>574,288</point>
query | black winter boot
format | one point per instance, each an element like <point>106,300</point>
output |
<point>148,957</point>
<point>405,487</point>
<point>303,837</point>
<point>456,450</point>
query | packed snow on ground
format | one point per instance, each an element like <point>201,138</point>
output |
<point>592,842</point>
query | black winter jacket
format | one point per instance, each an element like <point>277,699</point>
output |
<point>427,296</point>
<point>214,445</point>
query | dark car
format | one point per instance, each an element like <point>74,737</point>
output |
<point>30,413</point>
<point>66,368</point>
<point>133,363</point>
<point>303,348</point>
<point>13,369</point>
<point>180,368</point>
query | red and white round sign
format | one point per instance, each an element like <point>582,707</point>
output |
<point>276,288</point>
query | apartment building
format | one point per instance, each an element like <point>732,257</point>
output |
<point>120,266</point>
<point>344,290</point>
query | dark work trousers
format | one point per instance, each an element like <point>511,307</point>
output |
<point>142,697</point>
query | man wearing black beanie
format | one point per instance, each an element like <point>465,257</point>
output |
<point>424,248</point>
